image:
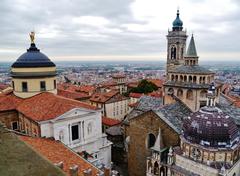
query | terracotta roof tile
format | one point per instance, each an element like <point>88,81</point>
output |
<point>157,82</point>
<point>47,106</point>
<point>103,97</point>
<point>72,95</point>
<point>110,121</point>
<point>8,101</point>
<point>135,95</point>
<point>56,152</point>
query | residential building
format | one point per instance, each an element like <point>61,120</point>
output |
<point>113,104</point>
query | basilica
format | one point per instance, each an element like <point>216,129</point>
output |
<point>190,131</point>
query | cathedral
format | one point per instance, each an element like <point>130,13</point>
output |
<point>186,80</point>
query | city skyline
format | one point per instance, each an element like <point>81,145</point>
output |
<point>131,30</point>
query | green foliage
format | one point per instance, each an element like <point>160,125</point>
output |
<point>144,87</point>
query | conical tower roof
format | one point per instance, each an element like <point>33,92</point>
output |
<point>192,52</point>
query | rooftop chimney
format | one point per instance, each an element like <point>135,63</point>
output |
<point>73,170</point>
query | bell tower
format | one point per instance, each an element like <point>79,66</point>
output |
<point>176,44</point>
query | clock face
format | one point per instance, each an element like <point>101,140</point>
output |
<point>196,153</point>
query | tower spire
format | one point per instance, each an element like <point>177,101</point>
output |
<point>192,52</point>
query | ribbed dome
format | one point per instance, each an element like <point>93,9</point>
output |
<point>210,127</point>
<point>33,58</point>
<point>177,23</point>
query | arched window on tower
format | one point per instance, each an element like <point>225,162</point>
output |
<point>189,94</point>
<point>176,78</point>
<point>185,78</point>
<point>194,79</point>
<point>172,78</point>
<point>179,93</point>
<point>181,78</point>
<point>190,78</point>
<point>173,52</point>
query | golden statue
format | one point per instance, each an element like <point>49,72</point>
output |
<point>32,36</point>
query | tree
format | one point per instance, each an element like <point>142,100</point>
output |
<point>145,87</point>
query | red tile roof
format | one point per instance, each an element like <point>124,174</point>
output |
<point>157,82</point>
<point>47,106</point>
<point>8,101</point>
<point>103,97</point>
<point>56,152</point>
<point>135,95</point>
<point>72,95</point>
<point>110,121</point>
<point>156,94</point>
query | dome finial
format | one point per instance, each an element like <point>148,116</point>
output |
<point>32,36</point>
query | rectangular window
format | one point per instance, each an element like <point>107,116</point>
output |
<point>13,86</point>
<point>14,125</point>
<point>24,87</point>
<point>55,84</point>
<point>75,132</point>
<point>42,85</point>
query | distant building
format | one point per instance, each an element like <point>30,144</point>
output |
<point>34,108</point>
<point>113,104</point>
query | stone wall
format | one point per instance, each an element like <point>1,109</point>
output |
<point>7,117</point>
<point>138,130</point>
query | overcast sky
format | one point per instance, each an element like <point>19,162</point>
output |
<point>117,29</point>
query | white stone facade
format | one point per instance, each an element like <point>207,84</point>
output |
<point>81,130</point>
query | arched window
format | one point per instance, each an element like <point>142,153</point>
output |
<point>172,77</point>
<point>150,166</point>
<point>179,92</point>
<point>203,80</point>
<point>176,78</point>
<point>185,78</point>
<point>190,62</point>
<point>150,140</point>
<point>194,79</point>
<point>170,91</point>
<point>200,80</point>
<point>189,95</point>
<point>181,78</point>
<point>173,52</point>
<point>190,79</point>
<point>156,168</point>
<point>203,94</point>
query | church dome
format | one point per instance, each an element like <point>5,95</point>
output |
<point>177,23</point>
<point>210,127</point>
<point>33,58</point>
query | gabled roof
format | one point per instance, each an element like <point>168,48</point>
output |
<point>103,97</point>
<point>110,121</point>
<point>17,158</point>
<point>41,107</point>
<point>56,152</point>
<point>47,106</point>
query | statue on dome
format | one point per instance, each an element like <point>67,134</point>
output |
<point>32,36</point>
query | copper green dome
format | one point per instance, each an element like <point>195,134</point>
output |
<point>177,23</point>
